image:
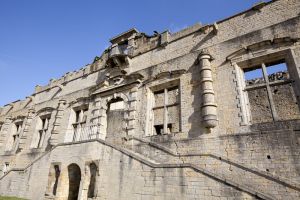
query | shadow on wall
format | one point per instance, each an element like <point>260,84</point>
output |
<point>196,117</point>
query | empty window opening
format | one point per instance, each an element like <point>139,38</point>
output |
<point>268,156</point>
<point>81,116</point>
<point>166,110</point>
<point>40,138</point>
<point>271,93</point>
<point>81,132</point>
<point>16,135</point>
<point>254,76</point>
<point>93,175</point>
<point>277,72</point>
<point>42,130</point>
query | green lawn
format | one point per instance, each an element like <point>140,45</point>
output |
<point>10,198</point>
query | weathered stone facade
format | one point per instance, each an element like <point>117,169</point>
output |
<point>167,116</point>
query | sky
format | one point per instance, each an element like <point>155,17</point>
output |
<point>44,39</point>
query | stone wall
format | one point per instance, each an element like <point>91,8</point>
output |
<point>211,112</point>
<point>120,176</point>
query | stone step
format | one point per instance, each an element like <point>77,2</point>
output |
<point>235,173</point>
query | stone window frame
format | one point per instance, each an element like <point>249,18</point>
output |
<point>17,128</point>
<point>129,108</point>
<point>44,130</point>
<point>263,58</point>
<point>150,91</point>
<point>267,85</point>
<point>80,122</point>
<point>80,115</point>
<point>44,113</point>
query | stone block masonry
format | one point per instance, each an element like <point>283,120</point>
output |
<point>167,116</point>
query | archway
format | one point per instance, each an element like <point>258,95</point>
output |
<point>74,181</point>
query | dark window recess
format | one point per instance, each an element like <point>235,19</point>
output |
<point>57,173</point>
<point>170,128</point>
<point>159,129</point>
<point>78,116</point>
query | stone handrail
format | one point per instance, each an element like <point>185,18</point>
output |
<point>280,180</point>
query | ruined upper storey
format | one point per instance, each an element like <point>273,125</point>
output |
<point>126,50</point>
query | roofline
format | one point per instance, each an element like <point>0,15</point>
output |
<point>254,7</point>
<point>130,30</point>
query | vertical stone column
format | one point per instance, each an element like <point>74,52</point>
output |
<point>132,104</point>
<point>208,107</point>
<point>99,118</point>
<point>102,125</point>
<point>57,121</point>
<point>4,133</point>
<point>27,124</point>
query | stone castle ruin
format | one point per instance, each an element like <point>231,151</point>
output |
<point>209,112</point>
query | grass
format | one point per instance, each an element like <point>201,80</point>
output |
<point>10,198</point>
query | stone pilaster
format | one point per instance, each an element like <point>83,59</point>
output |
<point>131,117</point>
<point>4,132</point>
<point>27,124</point>
<point>54,139</point>
<point>98,113</point>
<point>102,121</point>
<point>208,107</point>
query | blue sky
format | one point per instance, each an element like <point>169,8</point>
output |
<point>41,39</point>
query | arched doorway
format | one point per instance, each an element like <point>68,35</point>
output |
<point>115,119</point>
<point>74,181</point>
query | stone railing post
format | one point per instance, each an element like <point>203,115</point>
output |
<point>208,107</point>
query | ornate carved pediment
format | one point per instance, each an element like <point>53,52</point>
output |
<point>45,111</point>
<point>115,78</point>
<point>165,74</point>
<point>80,101</point>
<point>263,47</point>
<point>19,118</point>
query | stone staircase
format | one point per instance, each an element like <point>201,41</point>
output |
<point>228,171</point>
<point>249,180</point>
